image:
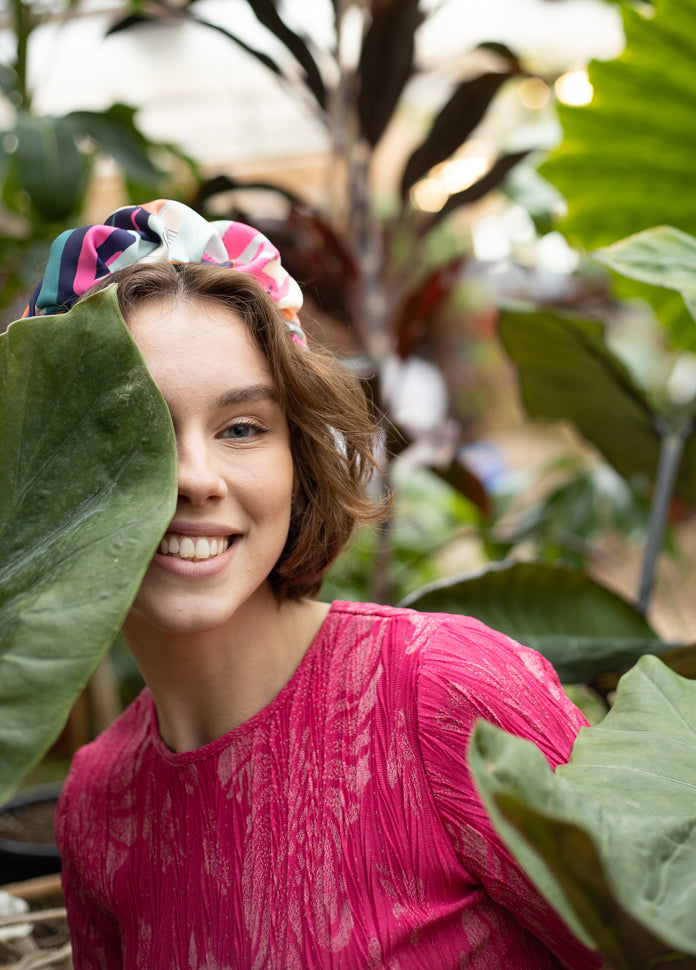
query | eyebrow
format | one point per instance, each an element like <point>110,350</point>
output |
<point>247,395</point>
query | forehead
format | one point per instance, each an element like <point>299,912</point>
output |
<point>192,339</point>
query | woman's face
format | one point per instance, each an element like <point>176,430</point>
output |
<point>235,469</point>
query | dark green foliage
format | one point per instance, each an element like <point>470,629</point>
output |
<point>583,628</point>
<point>88,486</point>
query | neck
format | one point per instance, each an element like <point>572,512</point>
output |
<point>205,683</point>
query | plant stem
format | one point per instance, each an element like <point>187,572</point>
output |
<point>22,29</point>
<point>671,452</point>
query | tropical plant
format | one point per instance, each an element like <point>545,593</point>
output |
<point>624,163</point>
<point>609,838</point>
<point>88,486</point>
<point>568,372</point>
<point>621,163</point>
<point>47,161</point>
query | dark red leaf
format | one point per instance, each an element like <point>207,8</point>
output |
<point>165,14</point>
<point>457,475</point>
<point>227,183</point>
<point>266,13</point>
<point>132,20</point>
<point>386,63</point>
<point>501,50</point>
<point>453,125</point>
<point>465,482</point>
<point>257,54</point>
<point>414,317</point>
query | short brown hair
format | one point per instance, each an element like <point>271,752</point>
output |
<point>333,436</point>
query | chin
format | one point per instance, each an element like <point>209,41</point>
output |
<point>182,615</point>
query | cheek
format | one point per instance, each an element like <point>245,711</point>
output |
<point>269,491</point>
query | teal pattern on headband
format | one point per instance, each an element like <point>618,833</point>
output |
<point>168,231</point>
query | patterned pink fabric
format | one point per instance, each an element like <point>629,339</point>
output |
<point>338,828</point>
<point>161,231</point>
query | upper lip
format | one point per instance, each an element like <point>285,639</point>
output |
<point>179,527</point>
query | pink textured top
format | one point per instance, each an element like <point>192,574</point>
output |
<point>337,828</point>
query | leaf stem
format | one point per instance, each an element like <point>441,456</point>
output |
<point>23,27</point>
<point>671,451</point>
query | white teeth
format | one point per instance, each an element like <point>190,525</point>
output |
<point>202,549</point>
<point>187,549</point>
<point>192,547</point>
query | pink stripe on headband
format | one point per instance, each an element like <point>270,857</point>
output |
<point>168,231</point>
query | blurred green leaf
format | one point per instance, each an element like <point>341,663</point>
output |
<point>609,838</point>
<point>88,486</point>
<point>116,134</point>
<point>582,628</point>
<point>566,372</point>
<point>49,166</point>
<point>663,256</point>
<point>8,80</point>
<point>626,160</point>
<point>564,522</point>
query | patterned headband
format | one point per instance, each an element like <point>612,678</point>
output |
<point>161,231</point>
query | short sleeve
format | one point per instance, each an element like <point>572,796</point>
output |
<point>468,672</point>
<point>94,934</point>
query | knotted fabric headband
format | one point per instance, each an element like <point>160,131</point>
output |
<point>161,231</point>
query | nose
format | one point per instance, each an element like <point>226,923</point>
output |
<point>199,475</point>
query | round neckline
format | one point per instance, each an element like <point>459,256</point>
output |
<point>213,747</point>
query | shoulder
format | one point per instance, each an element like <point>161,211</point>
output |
<point>128,732</point>
<point>407,631</point>
<point>468,672</point>
<point>463,670</point>
<point>391,641</point>
<point>443,643</point>
<point>457,662</point>
<point>102,766</point>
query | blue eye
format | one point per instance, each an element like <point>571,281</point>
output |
<point>239,432</point>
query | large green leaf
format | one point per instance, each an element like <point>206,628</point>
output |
<point>626,160</point>
<point>48,165</point>
<point>583,628</point>
<point>88,486</point>
<point>568,373</point>
<point>610,838</point>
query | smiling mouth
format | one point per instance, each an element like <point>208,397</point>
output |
<point>194,548</point>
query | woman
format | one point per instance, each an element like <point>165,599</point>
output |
<point>291,788</point>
